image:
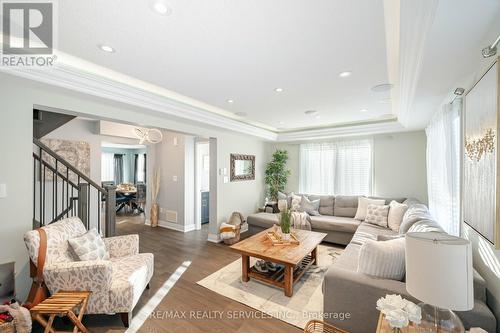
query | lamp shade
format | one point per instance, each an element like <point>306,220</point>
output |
<point>439,270</point>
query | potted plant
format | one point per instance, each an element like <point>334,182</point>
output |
<point>155,190</point>
<point>285,224</point>
<point>277,174</point>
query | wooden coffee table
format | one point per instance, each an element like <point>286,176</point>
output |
<point>294,260</point>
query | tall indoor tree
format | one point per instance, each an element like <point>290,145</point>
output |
<point>277,174</point>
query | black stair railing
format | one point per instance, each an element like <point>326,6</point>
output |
<point>60,190</point>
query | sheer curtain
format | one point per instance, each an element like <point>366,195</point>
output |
<point>443,166</point>
<point>107,167</point>
<point>338,167</point>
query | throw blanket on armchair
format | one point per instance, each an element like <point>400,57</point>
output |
<point>300,220</point>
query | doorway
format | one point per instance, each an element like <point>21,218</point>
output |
<point>202,183</point>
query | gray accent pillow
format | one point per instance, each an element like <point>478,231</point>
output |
<point>89,246</point>
<point>310,207</point>
<point>326,203</point>
<point>384,260</point>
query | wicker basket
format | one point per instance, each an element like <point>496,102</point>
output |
<point>8,327</point>
<point>236,238</point>
<point>317,326</point>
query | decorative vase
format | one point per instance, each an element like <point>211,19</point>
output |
<point>154,215</point>
<point>285,237</point>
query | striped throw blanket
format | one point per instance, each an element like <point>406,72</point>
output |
<point>301,220</point>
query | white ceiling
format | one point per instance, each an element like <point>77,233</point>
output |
<point>186,65</point>
<point>452,58</point>
<point>242,50</point>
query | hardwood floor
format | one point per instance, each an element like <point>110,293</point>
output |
<point>171,250</point>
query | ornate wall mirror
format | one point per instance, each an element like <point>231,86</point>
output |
<point>242,167</point>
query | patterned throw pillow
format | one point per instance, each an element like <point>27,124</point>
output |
<point>363,206</point>
<point>89,246</point>
<point>377,214</point>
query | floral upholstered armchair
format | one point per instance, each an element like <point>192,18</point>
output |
<point>116,284</point>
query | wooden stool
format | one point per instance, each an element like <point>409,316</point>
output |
<point>63,303</point>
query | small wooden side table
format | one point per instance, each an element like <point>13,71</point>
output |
<point>63,303</point>
<point>384,327</point>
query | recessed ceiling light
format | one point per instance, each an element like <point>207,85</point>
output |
<point>382,87</point>
<point>317,116</point>
<point>345,74</point>
<point>363,110</point>
<point>106,48</point>
<point>230,101</point>
<point>278,89</point>
<point>311,112</point>
<point>241,114</point>
<point>385,101</point>
<point>161,7</point>
<point>282,123</point>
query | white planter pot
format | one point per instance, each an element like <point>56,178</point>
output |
<point>285,237</point>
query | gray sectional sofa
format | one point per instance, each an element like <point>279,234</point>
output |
<point>336,217</point>
<point>348,292</point>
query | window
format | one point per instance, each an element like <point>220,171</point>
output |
<point>443,166</point>
<point>140,171</point>
<point>339,167</point>
<point>107,167</point>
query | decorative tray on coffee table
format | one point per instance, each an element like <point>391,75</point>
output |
<point>275,238</point>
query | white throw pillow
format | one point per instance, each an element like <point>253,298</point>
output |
<point>396,212</point>
<point>89,246</point>
<point>376,214</point>
<point>295,204</point>
<point>384,259</point>
<point>310,207</point>
<point>282,204</point>
<point>363,205</point>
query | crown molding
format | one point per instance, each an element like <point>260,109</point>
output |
<point>391,126</point>
<point>416,21</point>
<point>79,80</point>
<point>173,105</point>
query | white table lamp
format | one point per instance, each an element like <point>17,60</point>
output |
<point>439,273</point>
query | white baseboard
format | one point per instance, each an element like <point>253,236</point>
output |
<point>214,238</point>
<point>173,226</point>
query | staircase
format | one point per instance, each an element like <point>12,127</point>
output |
<point>60,190</point>
<point>45,122</point>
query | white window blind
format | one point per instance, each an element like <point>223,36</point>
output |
<point>107,167</point>
<point>338,167</point>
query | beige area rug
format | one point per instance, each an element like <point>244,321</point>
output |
<point>305,304</point>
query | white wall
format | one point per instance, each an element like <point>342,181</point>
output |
<point>18,96</point>
<point>400,165</point>
<point>398,161</point>
<point>242,196</point>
